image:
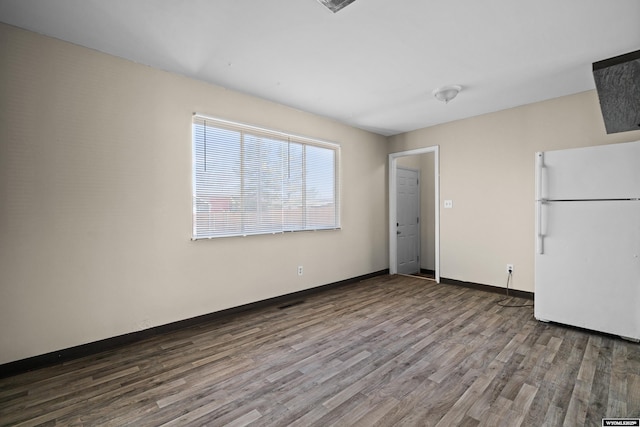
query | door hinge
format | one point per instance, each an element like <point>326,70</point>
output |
<point>418,220</point>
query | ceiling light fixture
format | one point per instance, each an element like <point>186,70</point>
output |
<point>446,93</point>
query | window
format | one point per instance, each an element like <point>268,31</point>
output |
<point>248,180</point>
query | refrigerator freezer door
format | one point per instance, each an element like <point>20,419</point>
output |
<point>601,172</point>
<point>589,273</point>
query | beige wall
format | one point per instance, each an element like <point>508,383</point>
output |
<point>487,169</point>
<point>95,201</point>
<point>95,197</point>
<point>427,201</point>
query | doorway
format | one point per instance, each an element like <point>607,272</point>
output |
<point>393,206</point>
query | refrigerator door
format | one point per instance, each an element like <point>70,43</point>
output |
<point>601,172</point>
<point>589,273</point>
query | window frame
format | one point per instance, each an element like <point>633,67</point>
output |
<point>257,132</point>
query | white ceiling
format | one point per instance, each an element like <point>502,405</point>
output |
<point>373,65</point>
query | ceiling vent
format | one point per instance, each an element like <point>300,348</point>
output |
<point>335,5</point>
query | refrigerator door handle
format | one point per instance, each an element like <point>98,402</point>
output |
<point>539,171</point>
<point>539,235</point>
<point>539,201</point>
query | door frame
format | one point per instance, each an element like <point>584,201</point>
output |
<point>393,200</point>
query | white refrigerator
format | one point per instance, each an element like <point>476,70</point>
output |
<point>587,263</point>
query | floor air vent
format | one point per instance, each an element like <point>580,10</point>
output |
<point>335,5</point>
<point>291,304</point>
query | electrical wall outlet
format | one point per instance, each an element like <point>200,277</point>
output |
<point>299,270</point>
<point>509,268</point>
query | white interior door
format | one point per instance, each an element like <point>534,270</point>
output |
<point>408,221</point>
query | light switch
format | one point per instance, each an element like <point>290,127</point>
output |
<point>448,204</point>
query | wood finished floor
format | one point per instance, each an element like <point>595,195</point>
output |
<point>388,351</point>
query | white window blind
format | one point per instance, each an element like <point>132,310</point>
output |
<point>249,180</point>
